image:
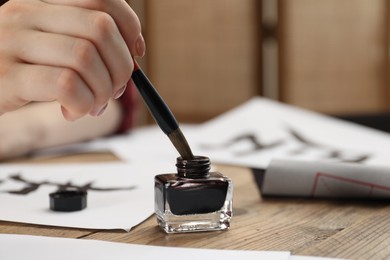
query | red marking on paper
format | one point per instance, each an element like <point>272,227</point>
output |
<point>370,185</point>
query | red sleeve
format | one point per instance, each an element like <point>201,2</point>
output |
<point>129,106</point>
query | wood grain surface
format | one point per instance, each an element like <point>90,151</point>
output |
<point>351,229</point>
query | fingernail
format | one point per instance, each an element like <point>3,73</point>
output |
<point>102,110</point>
<point>98,111</point>
<point>120,92</point>
<point>140,46</point>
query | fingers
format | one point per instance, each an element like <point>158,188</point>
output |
<point>98,28</point>
<point>124,17</point>
<point>49,83</point>
<point>78,52</point>
<point>68,52</point>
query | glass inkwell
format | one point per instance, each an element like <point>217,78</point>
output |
<point>193,199</point>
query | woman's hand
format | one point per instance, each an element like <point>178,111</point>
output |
<point>77,52</point>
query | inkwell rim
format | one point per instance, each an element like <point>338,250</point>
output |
<point>196,168</point>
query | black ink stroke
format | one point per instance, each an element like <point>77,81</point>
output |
<point>257,145</point>
<point>305,144</point>
<point>30,186</point>
<point>331,152</point>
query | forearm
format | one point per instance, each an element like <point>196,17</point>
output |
<point>40,125</point>
<point>58,131</point>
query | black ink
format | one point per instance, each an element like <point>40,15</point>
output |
<point>192,196</point>
<point>332,153</point>
<point>31,186</point>
<point>304,146</point>
<point>258,145</point>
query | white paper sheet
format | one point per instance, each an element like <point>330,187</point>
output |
<point>64,249</point>
<point>258,131</point>
<point>261,130</point>
<point>131,201</point>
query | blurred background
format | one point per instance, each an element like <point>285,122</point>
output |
<point>206,57</point>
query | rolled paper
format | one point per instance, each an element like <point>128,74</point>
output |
<point>324,180</point>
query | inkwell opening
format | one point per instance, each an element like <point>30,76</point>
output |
<point>196,168</point>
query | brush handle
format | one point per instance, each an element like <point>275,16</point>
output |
<point>156,105</point>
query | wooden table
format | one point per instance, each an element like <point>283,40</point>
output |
<point>331,228</point>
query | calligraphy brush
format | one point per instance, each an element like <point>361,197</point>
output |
<point>161,113</point>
